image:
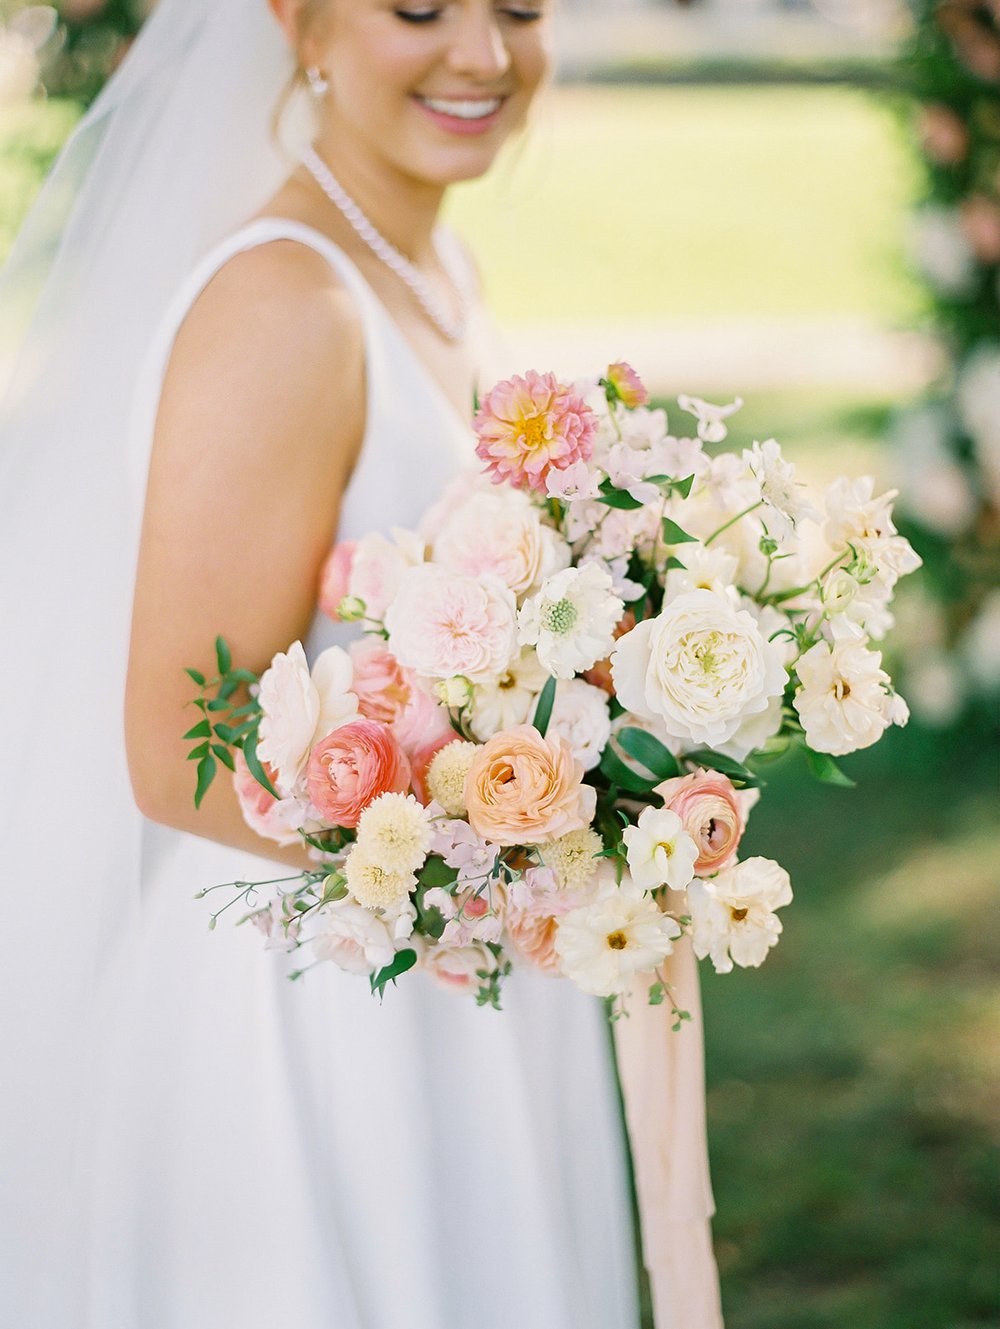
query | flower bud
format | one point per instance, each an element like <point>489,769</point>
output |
<point>455,692</point>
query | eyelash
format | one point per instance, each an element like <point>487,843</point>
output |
<point>428,16</point>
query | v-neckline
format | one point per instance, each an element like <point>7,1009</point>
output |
<point>463,423</point>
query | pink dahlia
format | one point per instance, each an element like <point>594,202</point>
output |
<point>530,426</point>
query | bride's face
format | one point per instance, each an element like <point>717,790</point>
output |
<point>434,88</point>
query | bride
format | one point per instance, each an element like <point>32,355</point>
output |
<point>232,354</point>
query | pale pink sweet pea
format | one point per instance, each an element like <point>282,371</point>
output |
<point>351,767</point>
<point>335,579</point>
<point>528,426</point>
<point>711,812</point>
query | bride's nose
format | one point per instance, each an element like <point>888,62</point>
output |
<point>478,49</point>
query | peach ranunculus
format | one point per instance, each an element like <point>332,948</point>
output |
<point>261,810</point>
<point>532,919</point>
<point>335,579</point>
<point>711,812</point>
<point>526,789</point>
<point>352,766</point>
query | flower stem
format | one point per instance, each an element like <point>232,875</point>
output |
<point>732,521</point>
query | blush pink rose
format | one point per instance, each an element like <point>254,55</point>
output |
<point>711,811</point>
<point>261,810</point>
<point>524,789</point>
<point>457,968</point>
<point>335,579</point>
<point>353,765</point>
<point>533,936</point>
<point>442,623</point>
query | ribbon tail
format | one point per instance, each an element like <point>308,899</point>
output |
<point>663,1086</point>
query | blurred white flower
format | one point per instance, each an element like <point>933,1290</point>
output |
<point>935,487</point>
<point>732,914</point>
<point>580,715</point>
<point>978,396</point>
<point>941,250</point>
<point>711,426</point>
<point>602,946</point>
<point>660,851</point>
<point>981,644</point>
<point>571,621</point>
<point>354,939</point>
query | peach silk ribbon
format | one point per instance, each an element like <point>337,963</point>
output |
<point>662,1076</point>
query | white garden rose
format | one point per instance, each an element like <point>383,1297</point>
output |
<point>443,623</point>
<point>501,532</point>
<point>354,939</point>
<point>732,913</point>
<point>844,701</point>
<point>702,667</point>
<point>301,706</point>
<point>603,945</point>
<point>580,715</point>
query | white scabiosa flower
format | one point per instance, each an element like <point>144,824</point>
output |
<point>732,914</point>
<point>660,851</point>
<point>395,832</point>
<point>602,946</point>
<point>783,497</point>
<point>845,700</point>
<point>571,621</point>
<point>374,887</point>
<point>573,858</point>
<point>580,714</point>
<point>446,776</point>
<point>505,701</point>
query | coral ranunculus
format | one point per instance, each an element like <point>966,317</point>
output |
<point>526,789</point>
<point>710,810</point>
<point>353,765</point>
<point>531,425</point>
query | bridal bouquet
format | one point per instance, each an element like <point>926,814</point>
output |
<point>543,747</point>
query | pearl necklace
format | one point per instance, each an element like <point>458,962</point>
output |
<point>452,328</point>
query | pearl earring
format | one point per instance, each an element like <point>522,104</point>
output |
<point>318,83</point>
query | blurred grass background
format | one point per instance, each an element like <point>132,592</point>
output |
<point>853,1105</point>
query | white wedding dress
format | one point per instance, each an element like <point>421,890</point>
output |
<point>275,1155</point>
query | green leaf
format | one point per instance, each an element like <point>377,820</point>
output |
<point>201,730</point>
<point>617,498</point>
<point>623,776</point>
<point>543,711</point>
<point>672,563</point>
<point>228,688</point>
<point>197,752</point>
<point>724,765</point>
<point>198,677</point>
<point>254,766</point>
<point>226,733</point>
<point>218,704</point>
<point>683,487</point>
<point>676,535</point>
<point>656,994</point>
<point>436,872</point>
<point>402,961</point>
<point>649,752</point>
<point>223,655</point>
<point>224,755</point>
<point>826,769</point>
<point>206,774</point>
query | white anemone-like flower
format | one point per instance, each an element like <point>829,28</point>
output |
<point>395,832</point>
<point>571,621</point>
<point>732,913</point>
<point>711,426</point>
<point>300,707</point>
<point>783,497</point>
<point>660,851</point>
<point>702,667</point>
<point>580,715</point>
<point>354,939</point>
<point>602,946</point>
<point>505,701</point>
<point>844,702</point>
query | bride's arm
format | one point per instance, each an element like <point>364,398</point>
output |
<point>259,423</point>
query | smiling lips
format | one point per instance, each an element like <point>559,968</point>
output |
<point>462,115</point>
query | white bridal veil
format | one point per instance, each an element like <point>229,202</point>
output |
<point>175,153</point>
